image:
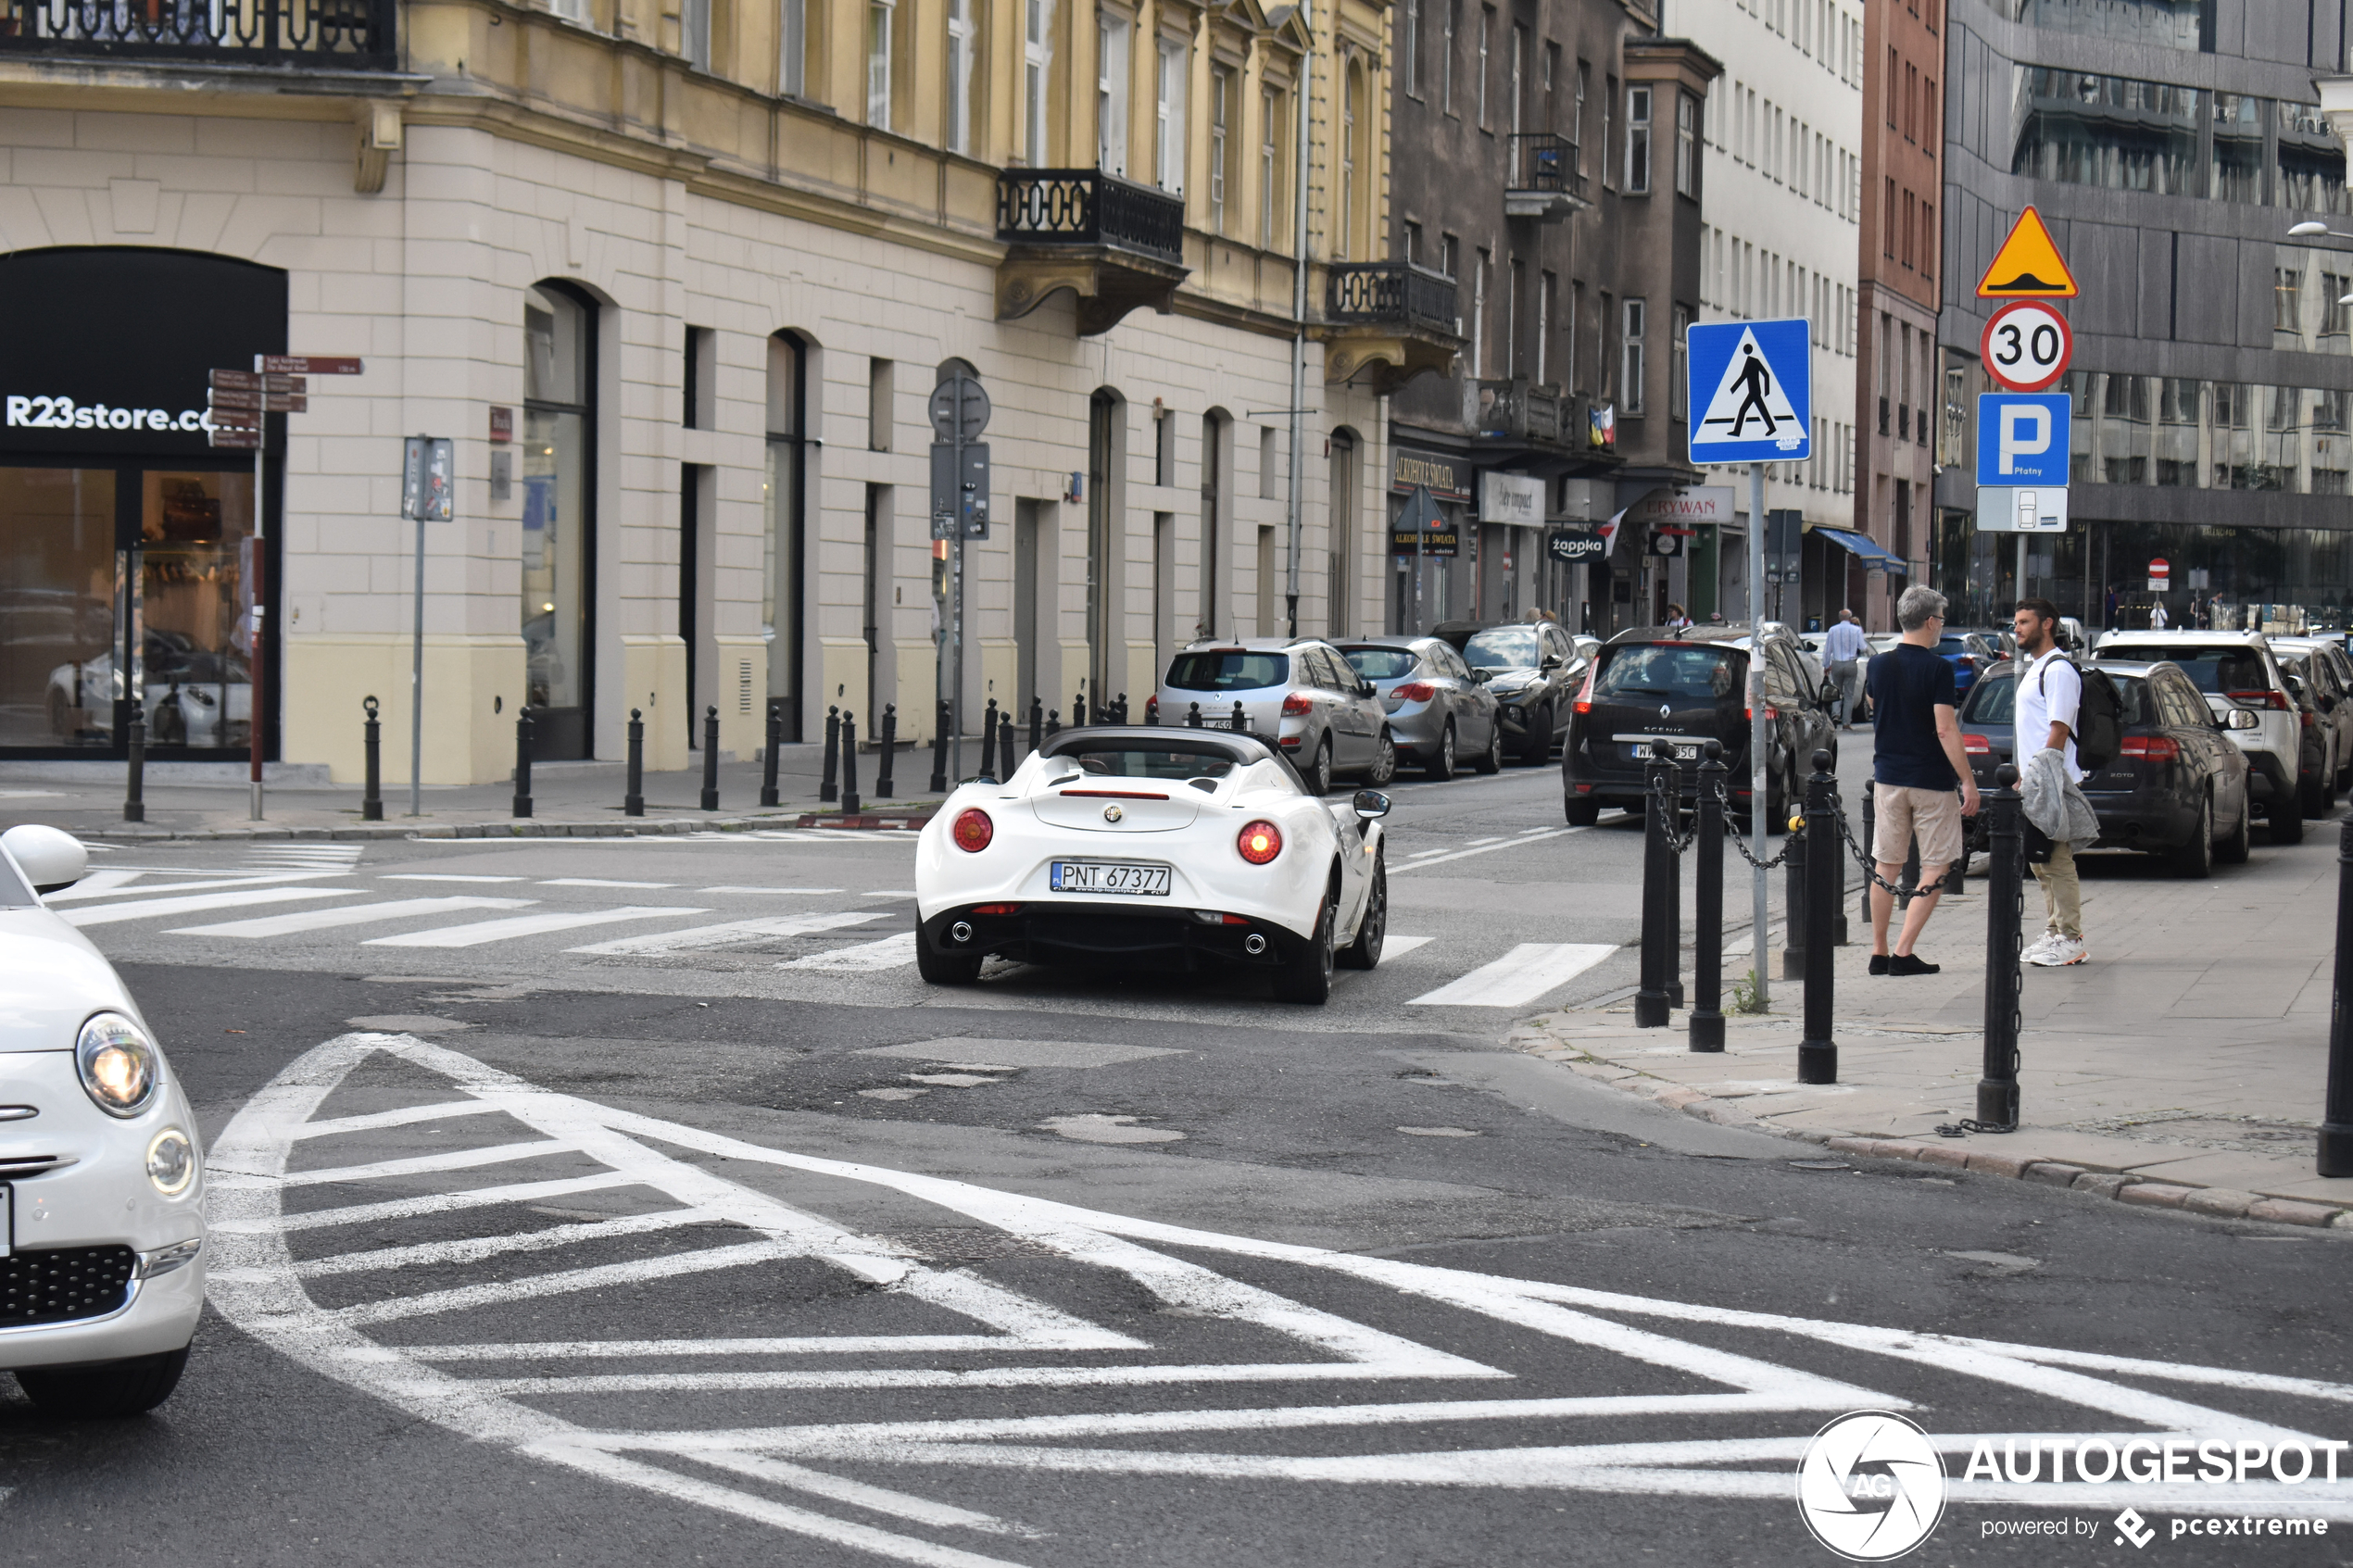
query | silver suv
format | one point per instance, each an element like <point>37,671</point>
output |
<point>2237,669</point>
<point>1326,718</point>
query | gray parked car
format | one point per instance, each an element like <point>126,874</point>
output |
<point>1439,710</point>
<point>1534,670</point>
<point>1326,717</point>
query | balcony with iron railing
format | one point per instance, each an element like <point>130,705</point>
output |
<point>1113,243</point>
<point>1517,412</point>
<point>331,34</point>
<point>1542,179</point>
<point>1386,323</point>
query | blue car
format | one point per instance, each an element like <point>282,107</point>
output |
<point>1971,654</point>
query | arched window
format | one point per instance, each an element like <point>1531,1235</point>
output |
<point>1352,101</point>
<point>559,515</point>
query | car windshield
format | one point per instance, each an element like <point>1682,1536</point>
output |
<point>1954,641</point>
<point>1710,674</point>
<point>1990,702</point>
<point>1149,760</point>
<point>1503,647</point>
<point>2210,669</point>
<point>1381,664</point>
<point>1229,672</point>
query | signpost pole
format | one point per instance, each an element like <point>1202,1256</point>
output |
<point>956,618</point>
<point>256,722</point>
<point>1760,733</point>
<point>417,681</point>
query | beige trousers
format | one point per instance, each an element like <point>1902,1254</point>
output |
<point>2062,894</point>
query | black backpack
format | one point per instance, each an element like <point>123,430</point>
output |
<point>2099,718</point>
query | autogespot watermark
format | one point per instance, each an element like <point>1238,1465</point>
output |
<point>1872,1487</point>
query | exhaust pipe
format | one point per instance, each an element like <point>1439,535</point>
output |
<point>1253,944</point>
<point>961,931</point>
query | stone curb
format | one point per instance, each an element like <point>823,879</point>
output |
<point>2146,1192</point>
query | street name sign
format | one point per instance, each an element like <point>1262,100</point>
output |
<point>2022,438</point>
<point>1751,391</point>
<point>2028,266</point>
<point>2026,345</point>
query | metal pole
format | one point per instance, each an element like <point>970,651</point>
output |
<point>775,739</point>
<point>372,801</point>
<point>258,723</point>
<point>417,681</point>
<point>1299,332</point>
<point>1651,1005</point>
<point>850,802</point>
<point>1673,773</point>
<point>956,617</point>
<point>1871,848</point>
<point>2004,906</point>
<point>939,748</point>
<point>827,789</point>
<point>1005,746</point>
<point>1760,733</point>
<point>523,762</point>
<point>1707,966</point>
<point>884,788</point>
<point>2337,1119</point>
<point>1817,1052</point>
<point>1794,929</point>
<point>710,759</point>
<point>633,799</point>
<point>989,735</point>
<point>135,785</point>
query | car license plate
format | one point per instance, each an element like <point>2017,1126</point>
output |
<point>1108,876</point>
<point>1686,753</point>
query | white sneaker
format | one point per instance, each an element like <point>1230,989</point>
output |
<point>2033,951</point>
<point>2059,952</point>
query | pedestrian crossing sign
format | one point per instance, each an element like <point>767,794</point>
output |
<point>1751,392</point>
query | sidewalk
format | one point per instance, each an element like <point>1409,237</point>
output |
<point>2183,1066</point>
<point>574,799</point>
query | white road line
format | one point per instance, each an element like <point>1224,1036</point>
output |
<point>467,1297</point>
<point>1475,843</point>
<point>888,953</point>
<point>787,890</point>
<point>892,893</point>
<point>696,938</point>
<point>444,876</point>
<point>597,882</point>
<point>475,935</point>
<point>1417,863</point>
<point>407,1116</point>
<point>840,1344</point>
<point>91,887</point>
<point>433,1203</point>
<point>1397,946</point>
<point>420,1164</point>
<point>971,1377</point>
<point>347,914</point>
<point>107,914</point>
<point>1519,976</point>
<point>476,1249</point>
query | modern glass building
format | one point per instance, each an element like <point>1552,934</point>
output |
<point>2170,146</point>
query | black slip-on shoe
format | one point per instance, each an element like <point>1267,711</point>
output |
<point>1907,963</point>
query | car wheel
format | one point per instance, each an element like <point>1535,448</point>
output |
<point>104,1392</point>
<point>2232,851</point>
<point>2195,859</point>
<point>1308,977</point>
<point>1581,813</point>
<point>1442,760</point>
<point>945,969</point>
<point>1319,780</point>
<point>1365,952</point>
<point>1539,750</point>
<point>2285,821</point>
<point>1384,767</point>
<point>1492,762</point>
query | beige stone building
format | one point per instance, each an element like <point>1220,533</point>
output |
<point>678,279</point>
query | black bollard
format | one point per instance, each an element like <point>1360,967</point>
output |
<point>710,759</point>
<point>1005,748</point>
<point>1241,720</point>
<point>1817,1052</point>
<point>1793,885</point>
<point>1672,771</point>
<point>2005,911</point>
<point>1054,721</point>
<point>371,796</point>
<point>522,761</point>
<point>989,740</point>
<point>1036,722</point>
<point>633,797</point>
<point>1870,850</point>
<point>2336,1116</point>
<point>849,763</point>
<point>883,787</point>
<point>1078,711</point>
<point>134,780</point>
<point>1192,718</point>
<point>1651,1005</point>
<point>1152,710</point>
<point>1119,706</point>
<point>1707,958</point>
<point>940,750</point>
<point>773,742</point>
<point>827,789</point>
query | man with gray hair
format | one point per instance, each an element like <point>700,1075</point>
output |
<point>1916,763</point>
<point>1843,650</point>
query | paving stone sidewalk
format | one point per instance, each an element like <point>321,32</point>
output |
<point>2183,1066</point>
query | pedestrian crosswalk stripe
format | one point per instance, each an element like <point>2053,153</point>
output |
<point>1750,404</point>
<point>116,885</point>
<point>1519,976</point>
<point>347,914</point>
<point>148,908</point>
<point>888,953</point>
<point>785,890</point>
<point>696,937</point>
<point>1397,946</point>
<point>442,876</point>
<point>597,882</point>
<point>480,932</point>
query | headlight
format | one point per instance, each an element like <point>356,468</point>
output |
<point>118,1066</point>
<point>171,1163</point>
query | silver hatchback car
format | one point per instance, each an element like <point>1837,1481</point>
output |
<point>1439,712</point>
<point>1326,718</point>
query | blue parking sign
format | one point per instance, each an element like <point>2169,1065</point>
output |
<point>2022,438</point>
<point>1751,392</point>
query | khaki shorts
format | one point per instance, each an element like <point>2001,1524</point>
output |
<point>1901,812</point>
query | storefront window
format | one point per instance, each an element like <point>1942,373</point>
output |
<point>196,604</point>
<point>557,517</point>
<point>56,607</point>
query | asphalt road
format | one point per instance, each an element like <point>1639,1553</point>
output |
<point>741,1245</point>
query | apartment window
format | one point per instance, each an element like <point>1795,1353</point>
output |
<point>1453,25</point>
<point>1270,165</point>
<point>1221,99</point>
<point>1513,293</point>
<point>2122,134</point>
<point>1609,324</point>
<point>1894,76</point>
<point>1449,255</point>
<point>1037,52</point>
<point>2337,317</point>
<point>694,20</point>
<point>1351,90</point>
<point>1486,36</point>
<point>1547,295</point>
<point>1911,103</point>
<point>1169,117</point>
<point>879,63</point>
<point>1519,53</point>
<point>1577,117</point>
<point>1929,124</point>
<point>1478,318</point>
<point>1576,319</point>
<point>1409,43</point>
<point>792,47</point>
<point>1610,96</point>
<point>1630,353</point>
<point>1908,219</point>
<point>1686,146</point>
<point>1928,240</point>
<point>960,76</point>
<point>1887,222</point>
<point>1638,141</point>
<point>1551,88</point>
<point>2287,296</point>
<point>1111,94</point>
<point>1679,390</point>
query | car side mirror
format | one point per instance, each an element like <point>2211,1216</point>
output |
<point>2241,719</point>
<point>1479,676</point>
<point>51,861</point>
<point>1371,803</point>
<point>1551,662</point>
<point>1366,688</point>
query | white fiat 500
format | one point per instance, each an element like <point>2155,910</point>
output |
<point>1154,847</point>
<point>101,1188</point>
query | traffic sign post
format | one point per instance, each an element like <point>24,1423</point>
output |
<point>428,481</point>
<point>2028,266</point>
<point>2026,345</point>
<point>1752,401</point>
<point>2023,437</point>
<point>960,410</point>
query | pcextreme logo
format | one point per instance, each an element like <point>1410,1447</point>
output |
<point>1871,1486</point>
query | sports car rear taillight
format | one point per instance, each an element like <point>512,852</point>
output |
<point>1414,691</point>
<point>973,830</point>
<point>1296,704</point>
<point>1260,842</point>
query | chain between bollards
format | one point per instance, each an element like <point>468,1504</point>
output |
<point>772,742</point>
<point>134,782</point>
<point>522,761</point>
<point>850,802</point>
<point>1707,958</point>
<point>827,789</point>
<point>2336,1117</point>
<point>710,759</point>
<point>633,799</point>
<point>884,789</point>
<point>1825,890</point>
<point>372,795</point>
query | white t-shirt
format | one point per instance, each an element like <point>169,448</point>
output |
<point>2049,690</point>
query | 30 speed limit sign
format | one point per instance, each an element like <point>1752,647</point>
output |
<point>2027,345</point>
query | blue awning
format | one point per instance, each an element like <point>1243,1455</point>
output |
<point>1875,558</point>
